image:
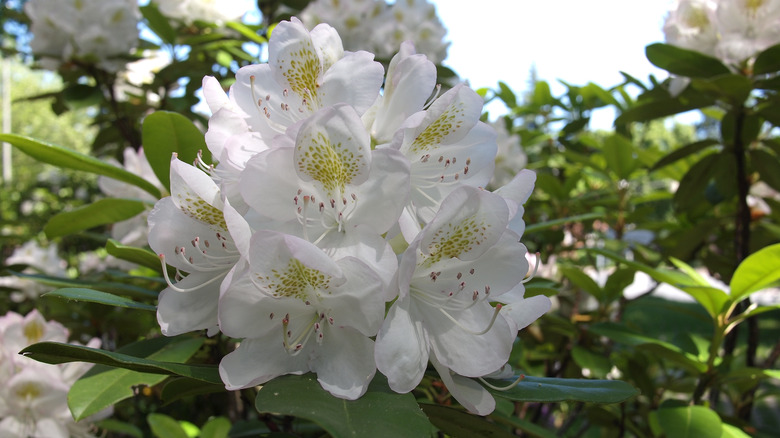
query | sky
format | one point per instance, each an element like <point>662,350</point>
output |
<point>578,41</point>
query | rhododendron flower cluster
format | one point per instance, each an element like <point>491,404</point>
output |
<point>38,260</point>
<point>340,192</point>
<point>211,11</point>
<point>731,30</point>
<point>93,31</point>
<point>33,395</point>
<point>379,27</point>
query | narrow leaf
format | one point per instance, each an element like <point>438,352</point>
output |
<point>178,388</point>
<point>159,23</point>
<point>96,296</point>
<point>531,228</point>
<point>106,286</point>
<point>246,32</point>
<point>165,133</point>
<point>583,281</point>
<point>756,272</point>
<point>56,353</point>
<point>101,212</point>
<point>141,256</point>
<point>549,389</point>
<point>683,152</point>
<point>767,61</point>
<point>68,159</point>
<point>379,413</point>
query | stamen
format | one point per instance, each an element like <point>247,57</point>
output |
<point>468,330</point>
<point>180,289</point>
<point>503,388</point>
<point>531,276</point>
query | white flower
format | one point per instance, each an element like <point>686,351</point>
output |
<point>410,20</point>
<point>322,182</point>
<point>211,11</point>
<point>746,28</point>
<point>323,310</point>
<point>99,31</point>
<point>462,259</point>
<point>510,157</point>
<point>306,71</point>
<point>411,78</point>
<point>447,147</point>
<point>39,260</point>
<point>189,231</point>
<point>690,25</point>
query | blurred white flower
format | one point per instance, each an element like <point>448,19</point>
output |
<point>39,260</point>
<point>93,31</point>
<point>212,11</point>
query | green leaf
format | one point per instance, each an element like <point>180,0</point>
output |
<point>507,95</point>
<point>96,296</point>
<point>619,153</point>
<point>81,96</point>
<point>694,183</point>
<point>102,386</point>
<point>684,62</point>
<point>655,109</point>
<point>597,363</point>
<point>766,164</point>
<point>583,281</point>
<point>683,152</point>
<point>732,87</point>
<point>756,272</point>
<point>550,389</point>
<point>711,298</point>
<point>218,427</point>
<point>621,334</point>
<point>159,23</point>
<point>140,256</point>
<point>163,426</point>
<point>246,31</point>
<point>165,133</point>
<point>122,428</point>
<point>689,422</point>
<point>456,422</point>
<point>106,286</point>
<point>160,362</point>
<point>730,431</point>
<point>68,159</point>
<point>101,212</point>
<point>767,61</point>
<point>379,413</point>
<point>178,388</point>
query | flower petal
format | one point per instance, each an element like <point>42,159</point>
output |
<point>344,363</point>
<point>401,351</point>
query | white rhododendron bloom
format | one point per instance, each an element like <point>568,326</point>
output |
<point>212,11</point>
<point>381,28</point>
<point>39,260</point>
<point>33,395</point>
<point>337,191</point>
<point>93,31</point>
<point>733,31</point>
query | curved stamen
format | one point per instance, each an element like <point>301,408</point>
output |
<point>532,274</point>
<point>295,347</point>
<point>503,388</point>
<point>468,330</point>
<point>180,289</point>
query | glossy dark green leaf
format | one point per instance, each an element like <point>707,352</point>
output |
<point>683,62</point>
<point>101,212</point>
<point>178,388</point>
<point>81,96</point>
<point>140,256</point>
<point>120,427</point>
<point>550,389</point>
<point>658,108</point>
<point>379,413</point>
<point>163,426</point>
<point>165,133</point>
<point>96,296</point>
<point>103,386</point>
<point>694,183</point>
<point>689,422</point>
<point>106,286</point>
<point>759,271</point>
<point>158,23</point>
<point>767,61</point>
<point>621,334</point>
<point>683,152</point>
<point>69,159</point>
<point>731,87</point>
<point>597,364</point>
<point>456,422</point>
<point>156,363</point>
